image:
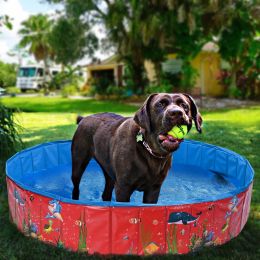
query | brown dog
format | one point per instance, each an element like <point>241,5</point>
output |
<point>134,153</point>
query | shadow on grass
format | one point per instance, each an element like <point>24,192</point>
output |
<point>230,135</point>
<point>63,132</point>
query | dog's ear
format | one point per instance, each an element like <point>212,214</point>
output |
<point>142,116</point>
<point>195,113</point>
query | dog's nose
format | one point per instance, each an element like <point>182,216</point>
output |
<point>175,112</point>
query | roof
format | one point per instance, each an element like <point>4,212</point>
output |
<point>112,60</point>
<point>210,47</point>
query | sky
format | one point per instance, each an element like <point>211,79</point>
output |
<point>20,10</point>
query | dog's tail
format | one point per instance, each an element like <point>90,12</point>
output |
<point>79,118</point>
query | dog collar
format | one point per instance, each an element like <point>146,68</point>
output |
<point>140,139</point>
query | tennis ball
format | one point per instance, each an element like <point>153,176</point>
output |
<point>178,131</point>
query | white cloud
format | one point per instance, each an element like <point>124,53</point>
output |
<point>9,38</point>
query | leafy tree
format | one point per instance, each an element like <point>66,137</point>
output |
<point>7,75</point>
<point>35,32</point>
<point>121,20</point>
<point>240,46</point>
<point>5,20</point>
<point>149,29</point>
<point>70,42</point>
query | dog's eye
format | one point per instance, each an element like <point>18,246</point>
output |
<point>185,107</point>
<point>163,103</point>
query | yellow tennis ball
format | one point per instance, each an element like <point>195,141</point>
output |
<point>178,131</point>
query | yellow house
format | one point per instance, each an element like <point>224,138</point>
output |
<point>207,63</point>
<point>110,68</point>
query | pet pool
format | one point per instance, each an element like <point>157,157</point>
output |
<point>205,200</point>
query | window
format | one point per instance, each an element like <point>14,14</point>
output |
<point>27,72</point>
<point>40,72</point>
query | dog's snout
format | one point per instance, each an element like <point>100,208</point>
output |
<point>175,112</point>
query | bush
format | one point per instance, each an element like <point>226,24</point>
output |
<point>7,74</point>
<point>100,85</point>
<point>13,91</point>
<point>114,90</point>
<point>68,90</point>
<point>9,138</point>
<point>86,91</point>
<point>163,88</point>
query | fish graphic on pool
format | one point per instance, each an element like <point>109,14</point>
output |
<point>18,198</point>
<point>182,218</point>
<point>55,210</point>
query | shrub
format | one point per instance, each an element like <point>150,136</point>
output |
<point>68,90</point>
<point>100,85</point>
<point>163,88</point>
<point>13,91</point>
<point>9,137</point>
<point>115,90</point>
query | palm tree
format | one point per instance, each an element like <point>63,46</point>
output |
<point>35,33</point>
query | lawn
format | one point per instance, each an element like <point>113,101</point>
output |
<point>48,119</point>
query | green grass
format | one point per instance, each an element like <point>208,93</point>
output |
<point>58,104</point>
<point>235,129</point>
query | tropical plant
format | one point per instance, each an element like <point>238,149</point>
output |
<point>70,42</point>
<point>9,137</point>
<point>6,20</point>
<point>35,35</point>
<point>148,30</point>
<point>240,45</point>
<point>7,75</point>
<point>121,21</point>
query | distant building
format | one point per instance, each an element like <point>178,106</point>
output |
<point>207,63</point>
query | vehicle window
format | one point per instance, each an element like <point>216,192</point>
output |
<point>27,72</point>
<point>40,72</point>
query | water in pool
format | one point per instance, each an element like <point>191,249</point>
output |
<point>183,184</point>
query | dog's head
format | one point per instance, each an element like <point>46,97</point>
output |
<point>161,112</point>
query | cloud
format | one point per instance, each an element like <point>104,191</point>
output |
<point>9,38</point>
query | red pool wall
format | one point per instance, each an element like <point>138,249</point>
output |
<point>127,230</point>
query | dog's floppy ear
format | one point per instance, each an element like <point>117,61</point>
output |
<point>195,113</point>
<point>142,116</point>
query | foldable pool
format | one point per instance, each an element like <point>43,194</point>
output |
<point>204,201</point>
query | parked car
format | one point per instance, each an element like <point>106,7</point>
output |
<point>2,91</point>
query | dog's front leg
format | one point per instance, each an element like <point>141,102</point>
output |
<point>123,193</point>
<point>151,195</point>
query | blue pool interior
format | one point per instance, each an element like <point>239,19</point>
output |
<point>200,173</point>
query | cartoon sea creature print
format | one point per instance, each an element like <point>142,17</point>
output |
<point>48,227</point>
<point>18,198</point>
<point>182,218</point>
<point>151,248</point>
<point>232,206</point>
<point>208,237</point>
<point>55,210</point>
<point>30,229</point>
<point>134,220</point>
<point>198,242</point>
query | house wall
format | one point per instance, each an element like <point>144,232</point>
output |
<point>208,67</point>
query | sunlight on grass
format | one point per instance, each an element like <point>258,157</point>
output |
<point>52,119</point>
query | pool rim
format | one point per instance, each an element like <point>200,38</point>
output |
<point>131,204</point>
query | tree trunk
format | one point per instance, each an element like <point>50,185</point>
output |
<point>138,72</point>
<point>158,72</point>
<point>46,75</point>
<point>233,83</point>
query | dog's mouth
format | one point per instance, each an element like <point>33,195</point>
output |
<point>168,142</point>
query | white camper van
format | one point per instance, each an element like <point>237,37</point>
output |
<point>33,76</point>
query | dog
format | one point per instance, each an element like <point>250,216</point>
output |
<point>134,153</point>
